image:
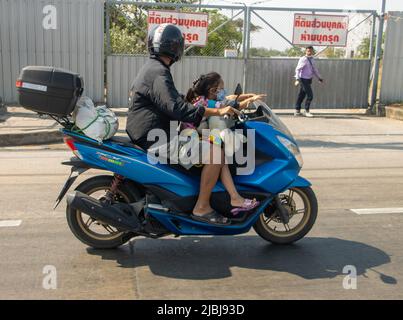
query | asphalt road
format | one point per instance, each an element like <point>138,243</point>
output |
<point>354,162</point>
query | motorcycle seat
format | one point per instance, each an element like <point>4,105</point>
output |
<point>125,141</point>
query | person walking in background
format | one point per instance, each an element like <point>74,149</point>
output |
<point>304,72</point>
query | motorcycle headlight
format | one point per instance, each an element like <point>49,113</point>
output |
<point>293,148</point>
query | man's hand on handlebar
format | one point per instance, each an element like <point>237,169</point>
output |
<point>228,111</point>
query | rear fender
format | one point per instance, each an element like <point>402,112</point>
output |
<point>77,167</point>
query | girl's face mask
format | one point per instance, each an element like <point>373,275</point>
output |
<point>221,94</point>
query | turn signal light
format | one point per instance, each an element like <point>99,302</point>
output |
<point>70,143</point>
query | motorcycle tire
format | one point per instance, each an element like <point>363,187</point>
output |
<point>310,201</point>
<point>127,193</point>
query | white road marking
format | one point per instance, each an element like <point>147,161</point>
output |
<point>377,210</point>
<point>10,223</point>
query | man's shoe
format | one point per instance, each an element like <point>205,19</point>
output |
<point>308,114</point>
<point>297,113</point>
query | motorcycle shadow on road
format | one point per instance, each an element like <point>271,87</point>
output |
<point>202,258</point>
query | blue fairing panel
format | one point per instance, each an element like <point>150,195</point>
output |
<point>300,182</point>
<point>133,164</point>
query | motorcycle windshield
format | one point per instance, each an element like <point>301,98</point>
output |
<point>272,118</point>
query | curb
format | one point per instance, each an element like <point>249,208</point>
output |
<point>394,112</point>
<point>30,138</point>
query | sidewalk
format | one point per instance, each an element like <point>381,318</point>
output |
<point>20,127</point>
<point>394,111</point>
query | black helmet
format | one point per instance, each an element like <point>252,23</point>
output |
<point>166,39</point>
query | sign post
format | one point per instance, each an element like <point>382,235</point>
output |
<point>377,62</point>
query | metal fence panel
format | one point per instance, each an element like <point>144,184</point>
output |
<point>346,82</point>
<point>392,79</point>
<point>127,27</point>
<point>122,70</point>
<point>76,44</point>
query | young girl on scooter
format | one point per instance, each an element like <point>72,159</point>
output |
<point>208,91</point>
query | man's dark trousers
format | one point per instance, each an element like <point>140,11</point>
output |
<point>304,91</point>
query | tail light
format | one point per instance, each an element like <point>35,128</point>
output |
<point>18,83</point>
<point>69,141</point>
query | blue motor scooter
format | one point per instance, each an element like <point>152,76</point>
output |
<point>156,200</point>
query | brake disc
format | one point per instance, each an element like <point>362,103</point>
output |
<point>288,203</point>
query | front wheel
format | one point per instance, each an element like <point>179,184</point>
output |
<point>302,207</point>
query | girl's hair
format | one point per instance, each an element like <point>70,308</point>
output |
<point>202,85</point>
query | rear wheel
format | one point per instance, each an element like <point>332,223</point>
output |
<point>95,233</point>
<point>302,207</point>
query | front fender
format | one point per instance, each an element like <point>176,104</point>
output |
<point>300,182</point>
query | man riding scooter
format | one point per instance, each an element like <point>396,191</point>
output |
<point>155,102</point>
<point>143,198</point>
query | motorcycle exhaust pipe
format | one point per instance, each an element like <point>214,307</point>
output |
<point>119,215</point>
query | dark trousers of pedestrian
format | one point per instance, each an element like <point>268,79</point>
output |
<point>305,91</point>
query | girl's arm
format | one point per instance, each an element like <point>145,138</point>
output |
<point>242,97</point>
<point>245,103</point>
<point>220,111</point>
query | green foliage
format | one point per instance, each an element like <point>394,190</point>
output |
<point>294,52</point>
<point>228,36</point>
<point>127,29</point>
<point>263,52</point>
<point>334,53</point>
<point>124,42</point>
<point>363,48</point>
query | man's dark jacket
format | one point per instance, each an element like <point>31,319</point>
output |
<point>155,102</point>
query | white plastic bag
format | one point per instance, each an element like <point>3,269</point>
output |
<point>189,148</point>
<point>220,132</point>
<point>99,123</point>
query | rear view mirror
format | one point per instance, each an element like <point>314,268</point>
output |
<point>238,90</point>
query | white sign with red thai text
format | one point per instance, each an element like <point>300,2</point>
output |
<point>320,30</point>
<point>193,25</point>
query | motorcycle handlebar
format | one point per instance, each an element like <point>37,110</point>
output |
<point>242,117</point>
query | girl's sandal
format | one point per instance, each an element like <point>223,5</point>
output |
<point>248,205</point>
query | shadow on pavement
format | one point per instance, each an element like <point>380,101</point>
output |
<point>201,258</point>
